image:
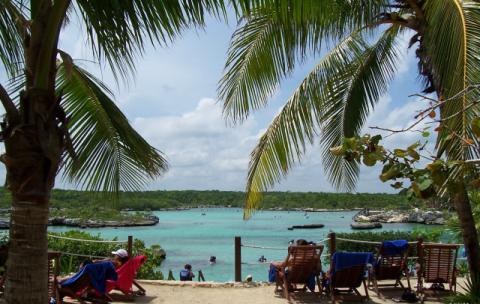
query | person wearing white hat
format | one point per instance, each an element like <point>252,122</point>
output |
<point>120,257</point>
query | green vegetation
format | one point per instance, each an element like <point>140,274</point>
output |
<point>99,213</point>
<point>431,235</point>
<point>85,205</point>
<point>69,264</point>
<point>154,200</point>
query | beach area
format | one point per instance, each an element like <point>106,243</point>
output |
<point>160,292</point>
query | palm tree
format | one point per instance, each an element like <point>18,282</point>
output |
<point>336,97</point>
<point>60,117</point>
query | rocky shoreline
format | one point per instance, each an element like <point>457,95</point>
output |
<point>427,217</point>
<point>266,209</point>
<point>149,220</point>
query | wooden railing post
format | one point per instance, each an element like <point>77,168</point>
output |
<point>130,245</point>
<point>170,276</point>
<point>420,264</point>
<point>201,278</point>
<point>238,259</point>
<point>419,247</point>
<point>332,243</point>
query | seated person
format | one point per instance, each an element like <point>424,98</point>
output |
<point>276,265</point>
<point>120,257</point>
<point>91,279</point>
<point>186,274</point>
<point>299,242</point>
<point>92,275</point>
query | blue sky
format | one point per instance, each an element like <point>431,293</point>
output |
<point>172,103</point>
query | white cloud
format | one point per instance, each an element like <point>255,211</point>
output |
<point>389,116</point>
<point>203,152</point>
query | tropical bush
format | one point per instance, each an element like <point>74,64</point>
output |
<point>71,263</point>
<point>411,236</point>
<point>154,200</point>
<point>470,296</point>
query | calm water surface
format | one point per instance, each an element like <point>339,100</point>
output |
<point>190,237</point>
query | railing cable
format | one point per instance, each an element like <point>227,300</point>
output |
<point>85,240</point>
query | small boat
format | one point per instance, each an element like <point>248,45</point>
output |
<point>309,226</point>
<point>360,226</point>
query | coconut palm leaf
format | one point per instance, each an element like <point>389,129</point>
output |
<point>109,154</point>
<point>118,30</point>
<point>368,78</point>
<point>264,50</point>
<point>11,33</point>
<point>452,44</point>
<point>349,78</point>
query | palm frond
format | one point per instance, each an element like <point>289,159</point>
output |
<point>265,48</point>
<point>305,113</point>
<point>358,89</point>
<point>110,154</point>
<point>11,37</point>
<point>452,62</point>
<point>118,31</point>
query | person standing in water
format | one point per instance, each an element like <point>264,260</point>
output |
<point>187,274</point>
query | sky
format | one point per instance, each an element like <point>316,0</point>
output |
<point>172,102</point>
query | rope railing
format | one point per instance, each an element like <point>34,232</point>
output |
<point>128,242</point>
<point>367,242</point>
<point>82,255</point>
<point>275,248</point>
<point>263,247</point>
<point>457,244</point>
<point>86,240</point>
<point>323,241</point>
<point>358,241</point>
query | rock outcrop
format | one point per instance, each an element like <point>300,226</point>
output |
<point>428,217</point>
<point>149,220</point>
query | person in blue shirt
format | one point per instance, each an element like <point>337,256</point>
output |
<point>186,274</point>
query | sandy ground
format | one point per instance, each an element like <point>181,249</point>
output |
<point>207,293</point>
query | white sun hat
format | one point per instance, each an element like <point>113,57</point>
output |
<point>121,253</point>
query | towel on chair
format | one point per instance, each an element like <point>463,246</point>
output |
<point>272,277</point>
<point>344,260</point>
<point>98,273</point>
<point>396,247</point>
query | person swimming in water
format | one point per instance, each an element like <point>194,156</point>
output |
<point>262,259</point>
<point>213,260</point>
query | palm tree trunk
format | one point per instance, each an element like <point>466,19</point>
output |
<point>33,152</point>
<point>469,232</point>
<point>27,254</point>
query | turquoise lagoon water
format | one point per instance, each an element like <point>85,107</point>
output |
<point>190,237</point>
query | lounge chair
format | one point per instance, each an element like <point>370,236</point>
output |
<point>347,273</point>
<point>390,264</point>
<point>91,279</point>
<point>437,265</point>
<point>302,266</point>
<point>126,277</point>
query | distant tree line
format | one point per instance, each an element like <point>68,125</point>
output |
<point>154,200</point>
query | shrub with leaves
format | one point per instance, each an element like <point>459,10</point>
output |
<point>69,263</point>
<point>470,296</point>
<point>411,236</point>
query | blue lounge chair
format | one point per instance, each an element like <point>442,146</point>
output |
<point>390,264</point>
<point>347,273</point>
